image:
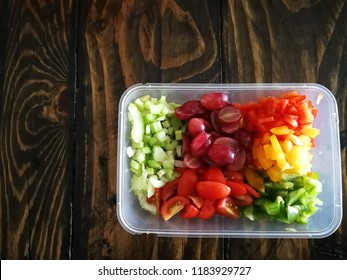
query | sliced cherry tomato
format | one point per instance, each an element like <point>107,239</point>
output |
<point>172,206</point>
<point>189,212</point>
<point>187,183</point>
<point>197,201</point>
<point>243,200</point>
<point>169,189</point>
<point>232,175</point>
<point>236,188</point>
<point>226,207</point>
<point>212,190</point>
<point>250,190</point>
<point>208,210</point>
<point>214,174</point>
<point>155,199</point>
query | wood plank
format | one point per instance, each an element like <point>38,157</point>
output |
<point>123,43</point>
<point>36,104</point>
<point>288,41</point>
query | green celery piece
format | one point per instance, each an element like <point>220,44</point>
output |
<point>157,109</point>
<point>279,185</point>
<point>176,122</point>
<point>168,164</point>
<point>139,104</point>
<point>156,126</point>
<point>161,135</point>
<point>178,134</point>
<point>137,130</point>
<point>153,141</point>
<point>166,124</point>
<point>139,156</point>
<point>154,164</point>
<point>150,170</point>
<point>148,129</point>
<point>159,154</point>
<point>161,172</point>
<point>149,118</point>
<point>145,98</point>
<point>138,145</point>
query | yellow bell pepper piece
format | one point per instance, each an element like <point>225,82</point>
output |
<point>269,151</point>
<point>311,132</point>
<point>281,130</point>
<point>265,163</point>
<point>279,154</point>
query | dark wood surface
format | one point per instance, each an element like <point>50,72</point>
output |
<point>64,65</point>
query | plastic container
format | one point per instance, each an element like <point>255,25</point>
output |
<point>326,161</point>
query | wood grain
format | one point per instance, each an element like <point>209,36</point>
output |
<point>63,68</point>
<point>37,96</point>
<point>170,46</point>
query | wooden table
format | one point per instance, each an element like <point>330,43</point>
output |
<point>63,68</point>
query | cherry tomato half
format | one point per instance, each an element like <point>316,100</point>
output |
<point>169,189</point>
<point>187,183</point>
<point>236,188</point>
<point>214,174</point>
<point>189,212</point>
<point>208,210</point>
<point>172,206</point>
<point>226,207</point>
<point>243,200</point>
<point>197,201</point>
<point>212,190</point>
<point>155,199</point>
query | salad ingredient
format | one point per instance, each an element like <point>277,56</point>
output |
<point>227,207</point>
<point>189,212</point>
<point>154,138</point>
<point>289,201</point>
<point>214,100</point>
<point>172,206</point>
<point>214,174</point>
<point>187,183</point>
<point>207,210</point>
<point>212,190</point>
<point>251,158</point>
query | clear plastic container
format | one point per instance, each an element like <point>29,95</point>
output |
<point>326,161</point>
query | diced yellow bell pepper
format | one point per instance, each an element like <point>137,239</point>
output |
<point>287,146</point>
<point>311,132</point>
<point>275,173</point>
<point>281,130</point>
<point>269,151</point>
<point>306,141</point>
<point>298,156</point>
<point>265,163</point>
<point>280,157</point>
<point>296,140</point>
<point>266,139</point>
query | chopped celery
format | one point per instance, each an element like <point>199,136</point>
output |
<point>137,123</point>
<point>156,126</point>
<point>158,154</point>
<point>153,145</point>
<point>178,134</point>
